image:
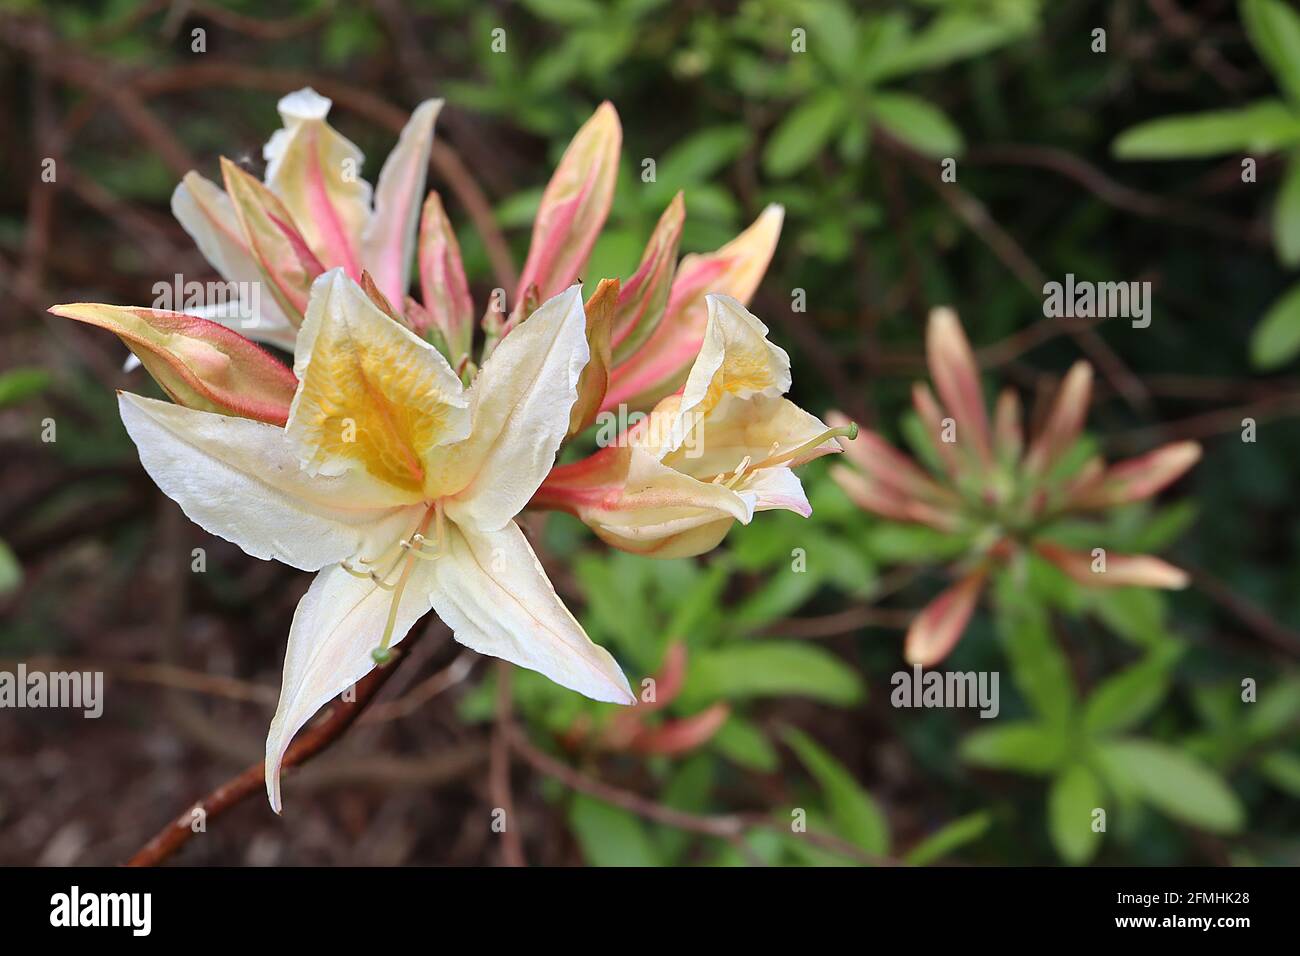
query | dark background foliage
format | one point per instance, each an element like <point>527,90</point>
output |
<point>97,562</point>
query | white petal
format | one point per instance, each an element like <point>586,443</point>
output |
<point>491,591</point>
<point>520,406</point>
<point>339,621</point>
<point>303,104</point>
<point>205,212</point>
<point>735,359</point>
<point>388,243</point>
<point>239,480</point>
<point>778,489</point>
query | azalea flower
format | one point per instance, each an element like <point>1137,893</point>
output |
<point>992,489</point>
<point>710,455</point>
<point>390,459</point>
<point>400,486</point>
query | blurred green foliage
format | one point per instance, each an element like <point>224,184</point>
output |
<point>1260,128</point>
<point>1127,700</point>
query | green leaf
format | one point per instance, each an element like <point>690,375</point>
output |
<point>780,594</point>
<point>1283,771</point>
<point>1262,127</point>
<point>22,383</point>
<point>1274,712</point>
<point>697,605</point>
<point>948,838</point>
<point>834,36</point>
<point>687,790</point>
<point>11,572</point>
<point>1037,663</point>
<point>842,562</point>
<point>1274,31</point>
<point>855,815</point>
<point>771,669</point>
<point>1286,215</point>
<point>1276,340</point>
<point>519,209</point>
<point>908,543</point>
<point>694,160</point>
<point>571,12</point>
<point>803,133</point>
<point>1164,527</point>
<point>1137,614</point>
<point>918,124</point>
<point>1175,784</point>
<point>1125,699</point>
<point>946,39</point>
<point>1024,747</point>
<point>744,744</point>
<point>609,835</point>
<point>1074,795</point>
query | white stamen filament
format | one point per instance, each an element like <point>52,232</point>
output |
<point>409,549</point>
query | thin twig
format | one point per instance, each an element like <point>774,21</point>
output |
<point>729,827</point>
<point>432,686</point>
<point>1115,193</point>
<point>842,622</point>
<point>1206,424</point>
<point>1249,613</point>
<point>1008,251</point>
<point>251,780</point>
<point>162,675</point>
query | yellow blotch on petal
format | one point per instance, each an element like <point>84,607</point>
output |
<point>736,359</point>
<point>372,394</point>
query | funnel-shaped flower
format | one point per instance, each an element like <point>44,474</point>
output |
<point>1003,496</point>
<point>393,463</point>
<point>400,487</point>
<point>723,448</point>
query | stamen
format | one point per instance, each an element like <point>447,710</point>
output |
<point>419,546</point>
<point>383,555</point>
<point>412,548</point>
<point>849,431</point>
